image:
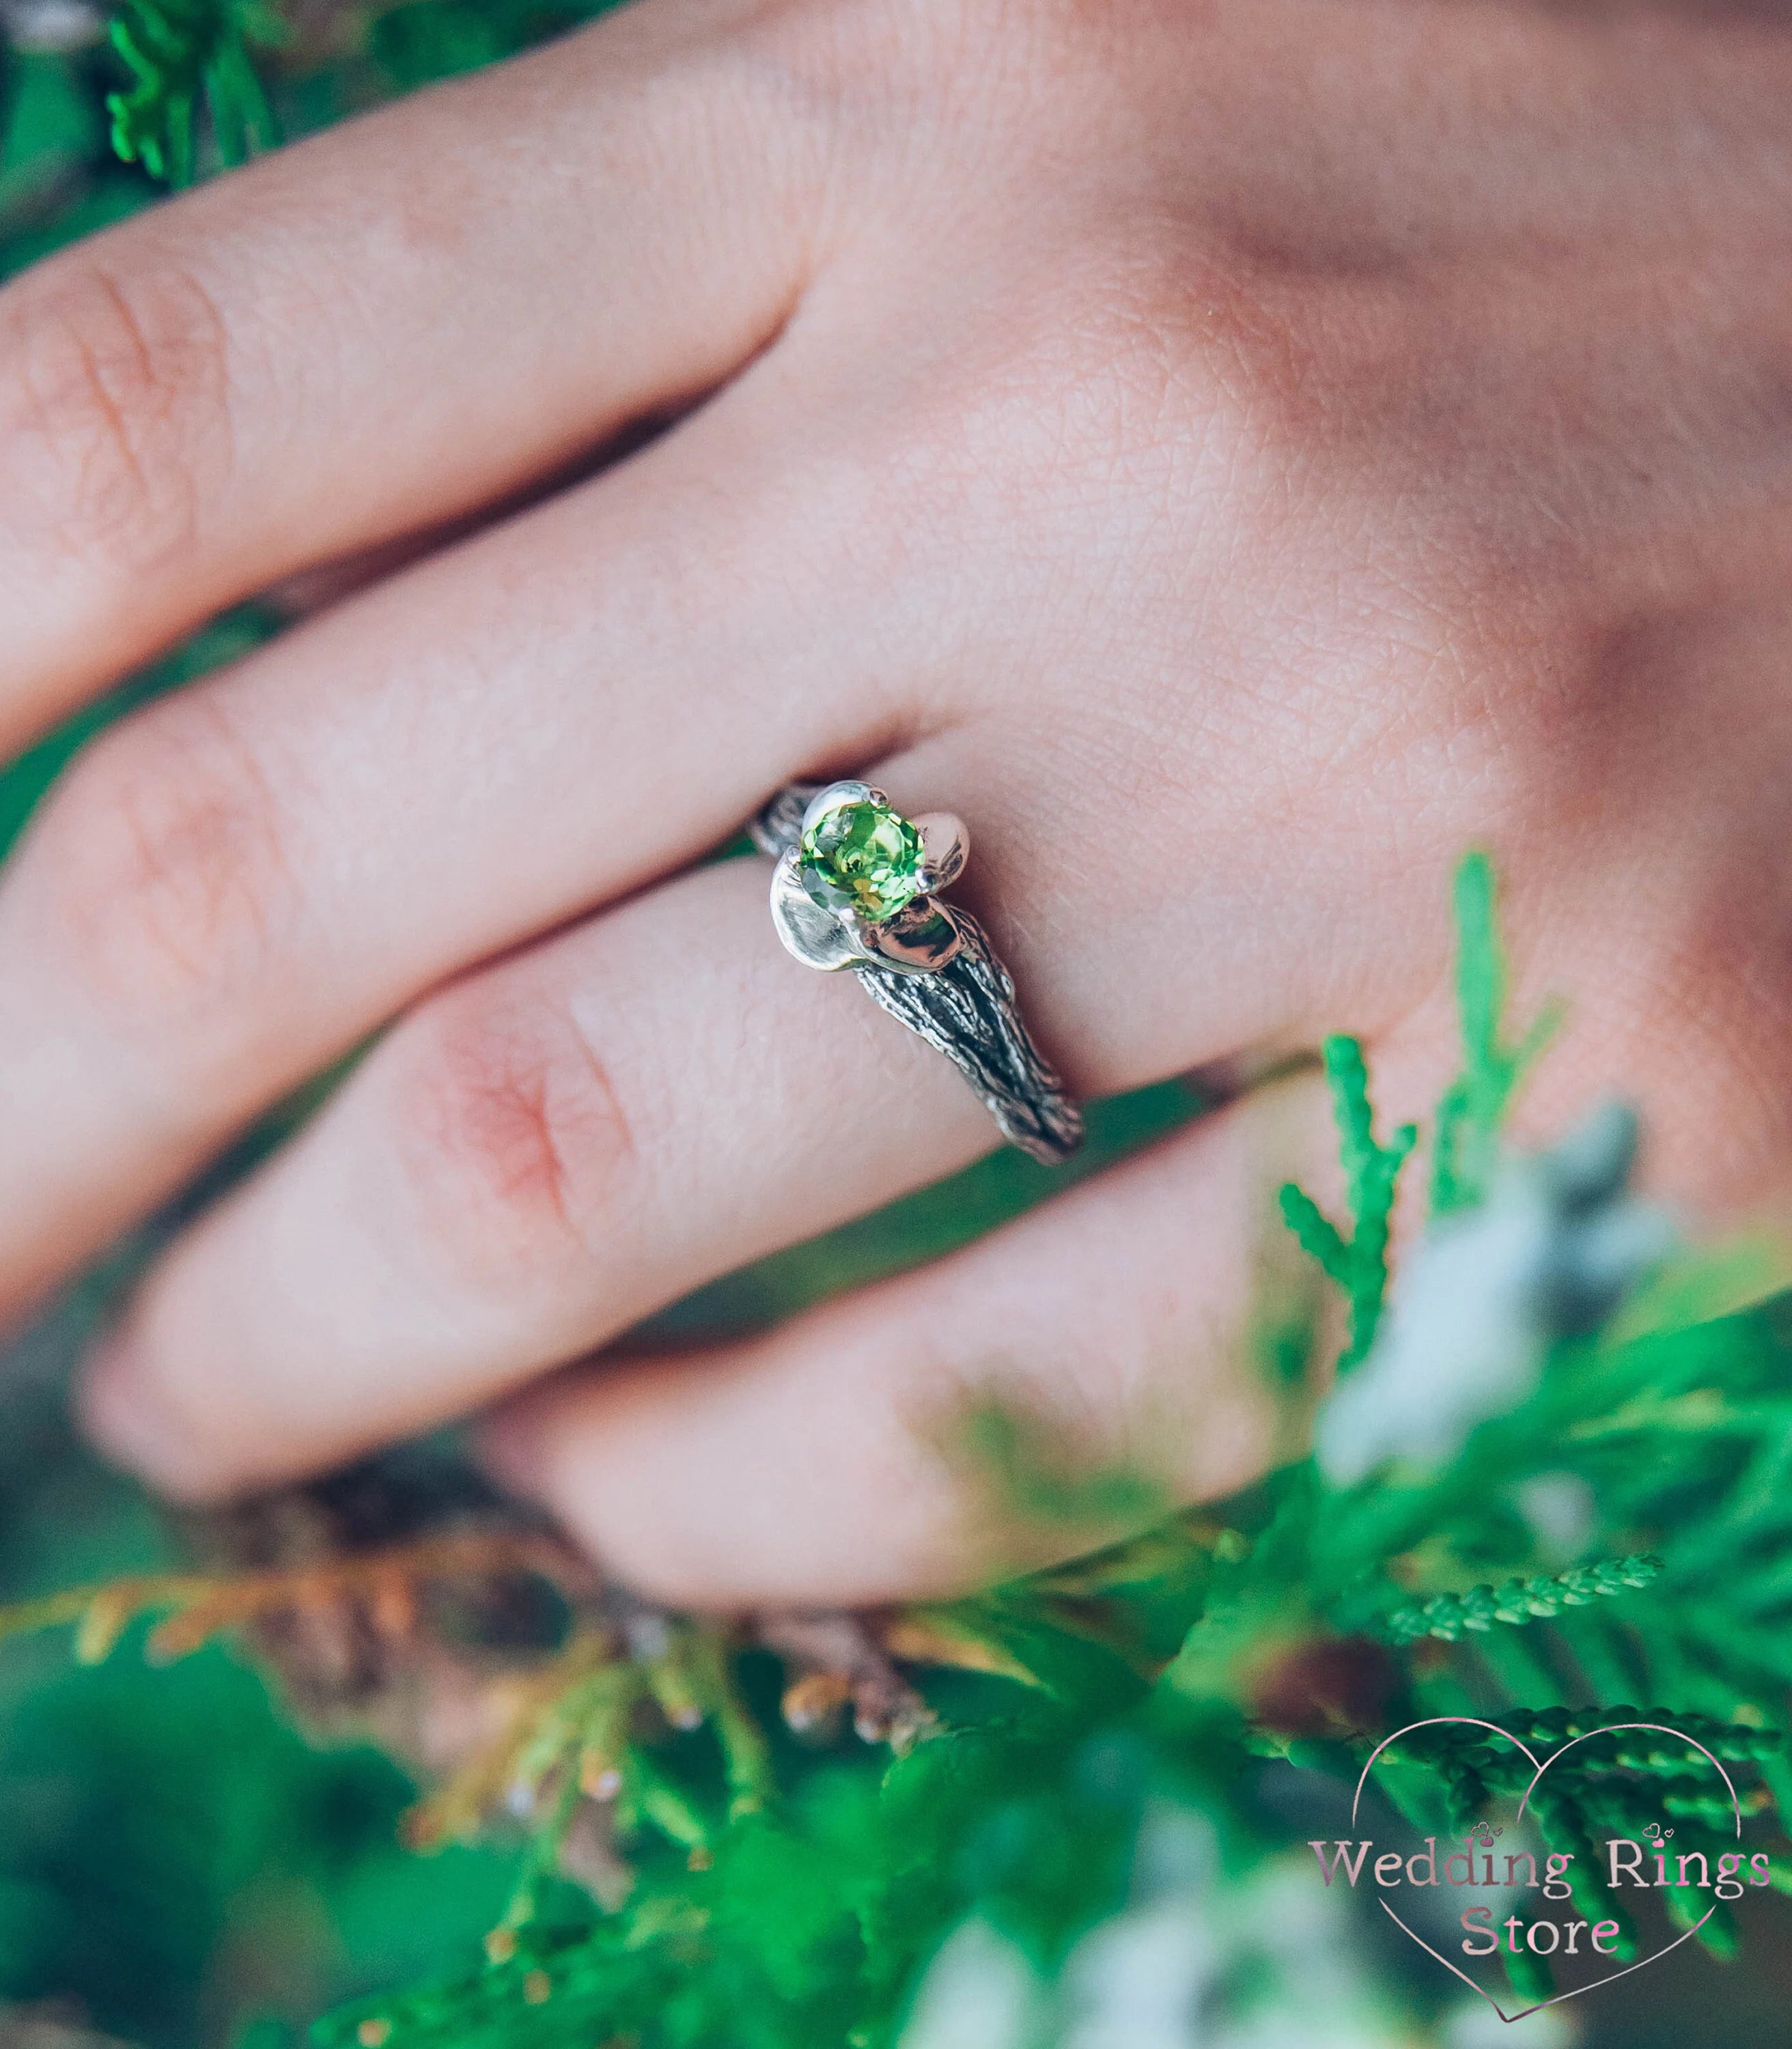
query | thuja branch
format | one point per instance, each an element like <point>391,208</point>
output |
<point>182,54</point>
<point>1449,1617</point>
<point>1359,1263</point>
<point>196,1607</point>
<point>1472,1112</point>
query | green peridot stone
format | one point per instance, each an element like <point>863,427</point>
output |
<point>862,858</point>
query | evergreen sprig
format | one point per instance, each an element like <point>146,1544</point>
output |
<point>1359,1263</point>
<point>1472,1112</point>
<point>185,55</point>
<point>1733,1743</point>
<point>1447,1616</point>
<point>1611,1779</point>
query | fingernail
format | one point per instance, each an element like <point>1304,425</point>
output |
<point>127,1421</point>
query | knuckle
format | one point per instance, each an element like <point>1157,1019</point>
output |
<point>163,852</point>
<point>512,1137</point>
<point>1129,381</point>
<point>115,405</point>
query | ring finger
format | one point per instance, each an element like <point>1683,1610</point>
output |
<point>533,1160</point>
<point>232,888</point>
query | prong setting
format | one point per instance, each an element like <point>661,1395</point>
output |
<point>830,890</point>
<point>836,796</point>
<point>862,892</point>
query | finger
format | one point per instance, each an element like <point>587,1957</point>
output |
<point>822,1463</point>
<point>380,329</point>
<point>519,1172</point>
<point>233,888</point>
<point>524,1168</point>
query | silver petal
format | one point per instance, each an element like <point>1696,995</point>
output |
<point>945,847</point>
<point>923,936</point>
<point>816,935</point>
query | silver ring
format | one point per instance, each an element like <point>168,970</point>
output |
<point>855,886</point>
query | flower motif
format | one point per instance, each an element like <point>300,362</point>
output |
<point>857,884</point>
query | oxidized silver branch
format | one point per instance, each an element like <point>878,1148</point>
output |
<point>856,886</point>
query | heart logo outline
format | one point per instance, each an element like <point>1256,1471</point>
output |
<point>1538,1770</point>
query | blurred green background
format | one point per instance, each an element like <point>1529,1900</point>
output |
<point>174,1860</point>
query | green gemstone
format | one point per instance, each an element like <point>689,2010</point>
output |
<point>862,858</point>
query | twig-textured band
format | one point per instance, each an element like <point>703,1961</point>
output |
<point>966,1008</point>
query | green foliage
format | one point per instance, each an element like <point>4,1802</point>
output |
<point>1472,1113</point>
<point>179,1859</point>
<point>1446,1616</point>
<point>1163,1669</point>
<point>423,41</point>
<point>1359,1263</point>
<point>207,84</point>
<point>1606,1777</point>
<point>185,55</point>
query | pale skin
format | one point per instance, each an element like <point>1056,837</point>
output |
<point>1235,455</point>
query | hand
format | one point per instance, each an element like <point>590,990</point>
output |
<point>1236,457</point>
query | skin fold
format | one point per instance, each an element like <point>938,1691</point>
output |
<point>1236,455</point>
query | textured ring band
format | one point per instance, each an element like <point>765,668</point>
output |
<point>855,887</point>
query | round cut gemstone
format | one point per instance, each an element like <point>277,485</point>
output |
<point>862,858</point>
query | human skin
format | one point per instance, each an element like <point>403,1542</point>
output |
<point>1236,455</point>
